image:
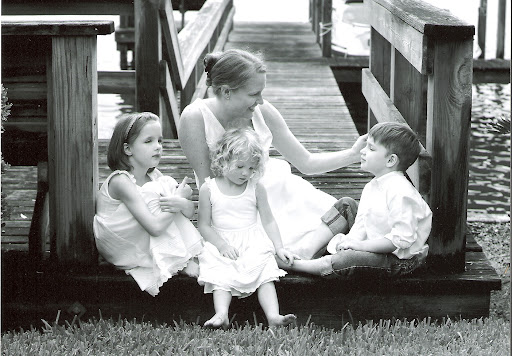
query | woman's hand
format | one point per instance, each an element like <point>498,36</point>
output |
<point>228,251</point>
<point>286,256</point>
<point>359,144</point>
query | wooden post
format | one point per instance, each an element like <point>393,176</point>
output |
<point>448,130</point>
<point>72,146</point>
<point>148,53</point>
<point>325,30</point>
<point>482,26</point>
<point>500,36</point>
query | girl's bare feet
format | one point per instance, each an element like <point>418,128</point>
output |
<point>192,268</point>
<point>282,320</point>
<point>217,321</point>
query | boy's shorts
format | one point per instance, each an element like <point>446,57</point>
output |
<point>344,208</point>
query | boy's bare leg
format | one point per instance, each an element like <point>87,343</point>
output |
<point>313,245</point>
<point>221,302</point>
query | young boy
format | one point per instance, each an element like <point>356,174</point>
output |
<point>392,223</point>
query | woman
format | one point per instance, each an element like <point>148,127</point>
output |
<point>237,79</point>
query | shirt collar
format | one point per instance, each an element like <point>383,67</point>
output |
<point>387,177</point>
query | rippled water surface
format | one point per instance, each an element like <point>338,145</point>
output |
<point>489,171</point>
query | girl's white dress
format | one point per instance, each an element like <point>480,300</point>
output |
<point>235,219</point>
<point>296,204</point>
<point>122,241</point>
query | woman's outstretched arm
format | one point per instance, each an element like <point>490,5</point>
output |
<point>293,151</point>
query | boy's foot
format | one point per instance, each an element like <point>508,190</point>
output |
<point>191,269</point>
<point>282,320</point>
<point>217,321</point>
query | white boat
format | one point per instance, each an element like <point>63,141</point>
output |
<point>350,28</point>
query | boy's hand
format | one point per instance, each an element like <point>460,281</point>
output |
<point>183,190</point>
<point>286,256</point>
<point>229,251</point>
<point>349,244</point>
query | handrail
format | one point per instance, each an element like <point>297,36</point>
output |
<point>421,73</point>
<point>196,35</point>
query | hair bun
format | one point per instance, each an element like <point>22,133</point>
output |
<point>209,61</point>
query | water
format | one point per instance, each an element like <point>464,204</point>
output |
<point>489,171</point>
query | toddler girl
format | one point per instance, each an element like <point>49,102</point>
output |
<point>238,256</point>
<point>130,229</point>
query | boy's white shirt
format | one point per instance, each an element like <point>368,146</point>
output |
<point>391,207</point>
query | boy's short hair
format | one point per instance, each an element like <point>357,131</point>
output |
<point>399,139</point>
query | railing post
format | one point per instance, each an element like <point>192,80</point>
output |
<point>148,53</point>
<point>72,148</point>
<point>482,26</point>
<point>500,35</point>
<point>448,130</point>
<point>325,29</point>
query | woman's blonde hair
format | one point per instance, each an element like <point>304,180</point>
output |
<point>237,144</point>
<point>232,68</point>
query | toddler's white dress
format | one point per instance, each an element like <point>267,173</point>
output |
<point>296,204</point>
<point>235,219</point>
<point>122,241</point>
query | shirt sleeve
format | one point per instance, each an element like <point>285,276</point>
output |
<point>403,220</point>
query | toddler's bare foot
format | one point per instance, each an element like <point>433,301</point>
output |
<point>191,269</point>
<point>282,320</point>
<point>217,321</point>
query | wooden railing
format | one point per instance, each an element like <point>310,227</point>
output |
<point>60,59</point>
<point>421,74</point>
<point>63,82</point>
<point>173,71</point>
<point>164,74</point>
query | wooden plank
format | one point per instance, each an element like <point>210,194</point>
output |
<point>116,82</point>
<point>412,43</point>
<point>57,28</point>
<point>428,19</point>
<point>168,93</point>
<point>172,48</point>
<point>67,7</point>
<point>72,138</point>
<point>201,87</point>
<point>195,36</point>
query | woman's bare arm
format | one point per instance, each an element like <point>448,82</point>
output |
<point>193,142</point>
<point>294,152</point>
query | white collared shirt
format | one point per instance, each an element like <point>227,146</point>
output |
<point>392,208</point>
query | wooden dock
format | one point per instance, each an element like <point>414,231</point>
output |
<point>303,88</point>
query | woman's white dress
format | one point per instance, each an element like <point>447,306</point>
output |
<point>297,205</point>
<point>235,219</point>
<point>122,241</point>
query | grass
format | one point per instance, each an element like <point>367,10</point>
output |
<point>489,336</point>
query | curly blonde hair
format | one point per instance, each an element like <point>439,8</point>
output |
<point>234,145</point>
